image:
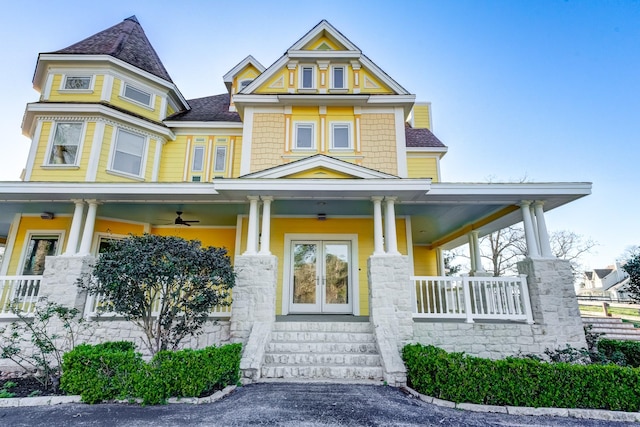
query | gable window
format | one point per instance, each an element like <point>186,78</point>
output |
<point>221,159</point>
<point>304,138</point>
<point>137,95</point>
<point>244,83</point>
<point>77,82</point>
<point>338,78</point>
<point>128,152</point>
<point>66,140</point>
<point>198,159</point>
<point>306,77</point>
<point>38,248</point>
<point>340,136</point>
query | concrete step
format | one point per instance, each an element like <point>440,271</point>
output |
<point>289,359</point>
<point>322,347</point>
<point>323,326</point>
<point>360,337</point>
<point>622,337</point>
<point>613,328</point>
<point>323,372</point>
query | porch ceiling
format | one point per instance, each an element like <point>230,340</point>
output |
<point>441,216</point>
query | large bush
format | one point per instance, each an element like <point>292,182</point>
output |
<point>115,371</point>
<point>164,284</point>
<point>520,382</point>
<point>628,351</point>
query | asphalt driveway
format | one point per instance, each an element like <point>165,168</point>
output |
<point>282,404</point>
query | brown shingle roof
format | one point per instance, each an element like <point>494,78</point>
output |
<point>421,137</point>
<point>125,41</point>
<point>208,109</point>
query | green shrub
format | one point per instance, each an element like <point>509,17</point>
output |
<point>520,382</point>
<point>115,371</point>
<point>628,350</point>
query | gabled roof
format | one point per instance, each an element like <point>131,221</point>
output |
<point>420,137</point>
<point>589,275</point>
<point>208,109</point>
<point>602,272</point>
<point>125,41</point>
<point>324,27</point>
<point>319,161</point>
<point>249,60</point>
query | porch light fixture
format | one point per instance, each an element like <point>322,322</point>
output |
<point>46,215</point>
<point>322,217</point>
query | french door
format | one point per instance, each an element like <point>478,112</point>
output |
<point>320,277</point>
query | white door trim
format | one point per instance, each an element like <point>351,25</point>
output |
<point>286,266</point>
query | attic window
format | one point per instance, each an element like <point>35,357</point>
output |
<point>137,95</point>
<point>244,83</point>
<point>306,77</point>
<point>337,77</point>
<point>77,83</point>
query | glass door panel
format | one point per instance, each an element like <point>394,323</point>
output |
<point>336,273</point>
<point>305,276</point>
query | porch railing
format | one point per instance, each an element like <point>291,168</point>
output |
<point>21,291</point>
<point>95,302</point>
<point>472,298</point>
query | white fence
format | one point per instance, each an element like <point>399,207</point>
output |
<point>21,291</point>
<point>472,298</point>
<point>94,302</point>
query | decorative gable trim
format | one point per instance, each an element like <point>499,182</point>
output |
<point>249,60</point>
<point>320,161</point>
<point>317,30</point>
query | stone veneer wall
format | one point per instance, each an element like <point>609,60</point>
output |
<point>555,313</point>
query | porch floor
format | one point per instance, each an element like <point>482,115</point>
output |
<point>321,318</point>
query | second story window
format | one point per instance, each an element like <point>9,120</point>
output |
<point>137,95</point>
<point>340,136</point>
<point>128,153</point>
<point>306,77</point>
<point>197,164</point>
<point>66,140</point>
<point>304,138</point>
<point>77,83</point>
<point>338,78</point>
<point>219,165</point>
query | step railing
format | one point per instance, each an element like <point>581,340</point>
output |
<point>20,292</point>
<point>472,298</point>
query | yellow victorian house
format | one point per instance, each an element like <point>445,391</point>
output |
<point>319,174</point>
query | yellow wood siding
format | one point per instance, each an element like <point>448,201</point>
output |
<point>29,223</point>
<point>425,261</point>
<point>370,84</point>
<point>319,173</point>
<point>421,116</point>
<point>121,102</point>
<point>237,157</point>
<point>115,227</point>
<point>67,95</point>
<point>172,160</point>
<point>317,43</point>
<point>222,237</point>
<point>278,83</point>
<point>62,173</point>
<point>267,145</point>
<point>422,167</point>
<point>378,142</point>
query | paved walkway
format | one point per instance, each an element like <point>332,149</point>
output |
<point>282,404</point>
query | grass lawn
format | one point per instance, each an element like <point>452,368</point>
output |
<point>612,310</point>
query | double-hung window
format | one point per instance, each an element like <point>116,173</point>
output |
<point>197,164</point>
<point>307,77</point>
<point>304,138</point>
<point>66,141</point>
<point>137,95</point>
<point>128,153</point>
<point>338,76</point>
<point>219,165</point>
<point>340,136</point>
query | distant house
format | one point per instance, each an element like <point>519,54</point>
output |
<point>607,282</point>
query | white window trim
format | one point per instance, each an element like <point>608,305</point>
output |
<point>314,73</point>
<point>331,136</point>
<point>112,154</point>
<point>63,82</point>
<point>152,96</point>
<point>314,143</point>
<point>215,158</point>
<point>98,236</point>
<point>193,158</point>
<point>344,77</point>
<point>52,134</point>
<point>60,234</point>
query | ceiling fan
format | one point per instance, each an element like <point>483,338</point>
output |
<point>180,221</point>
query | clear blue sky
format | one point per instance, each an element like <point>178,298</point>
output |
<point>542,90</point>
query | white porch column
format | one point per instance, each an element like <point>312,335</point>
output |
<point>472,253</point>
<point>476,252</point>
<point>534,222</point>
<point>378,243</point>
<point>252,231</point>
<point>529,233</point>
<point>76,224</point>
<point>89,225</point>
<point>266,225</point>
<point>543,235</point>
<point>390,222</point>
<point>442,269</point>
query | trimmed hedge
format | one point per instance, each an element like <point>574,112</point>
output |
<point>613,349</point>
<point>115,371</point>
<point>520,382</point>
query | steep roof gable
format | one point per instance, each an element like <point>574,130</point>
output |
<point>125,41</point>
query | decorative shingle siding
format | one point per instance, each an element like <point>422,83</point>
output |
<point>267,145</point>
<point>378,142</point>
